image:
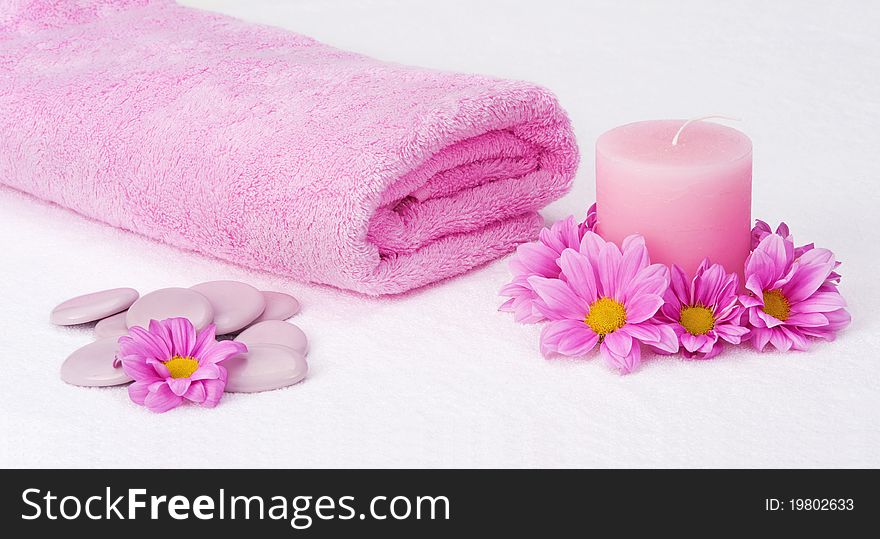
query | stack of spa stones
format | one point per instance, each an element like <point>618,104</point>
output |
<point>277,349</point>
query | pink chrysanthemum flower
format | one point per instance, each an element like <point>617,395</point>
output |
<point>761,230</point>
<point>704,312</point>
<point>791,297</point>
<point>606,297</point>
<point>170,363</point>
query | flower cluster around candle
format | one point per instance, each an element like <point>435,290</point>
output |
<point>592,292</point>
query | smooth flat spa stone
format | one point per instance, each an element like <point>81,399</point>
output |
<point>94,306</point>
<point>279,306</point>
<point>235,304</point>
<point>112,326</point>
<point>275,332</point>
<point>265,367</point>
<point>92,365</point>
<point>170,303</point>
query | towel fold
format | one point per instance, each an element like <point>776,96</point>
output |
<point>269,149</point>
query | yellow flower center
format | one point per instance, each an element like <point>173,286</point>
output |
<point>182,367</point>
<point>776,304</point>
<point>697,320</point>
<point>606,316</point>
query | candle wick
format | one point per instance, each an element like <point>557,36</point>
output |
<point>700,119</point>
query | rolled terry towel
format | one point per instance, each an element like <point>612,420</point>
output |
<point>269,149</point>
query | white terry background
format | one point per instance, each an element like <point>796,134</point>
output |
<point>439,378</point>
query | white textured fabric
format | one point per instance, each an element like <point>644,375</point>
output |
<point>439,378</point>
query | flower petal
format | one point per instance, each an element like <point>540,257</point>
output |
<point>780,252</point>
<point>213,391</point>
<point>139,369</point>
<point>769,320</point>
<point>538,259</point>
<point>642,307</point>
<point>221,351</point>
<point>567,337</point>
<point>624,364</point>
<point>145,344</point>
<point>838,319</point>
<point>820,302</point>
<point>647,333</point>
<point>619,343</point>
<point>579,274</point>
<point>668,339</point>
<point>610,259</point>
<point>754,319</point>
<point>717,347</point>
<point>768,263</point>
<point>179,386</point>
<point>159,368</point>
<point>203,340</point>
<point>662,337</point>
<point>671,309</point>
<point>678,285</point>
<point>809,275</point>
<point>529,311</point>
<point>759,337</point>
<point>206,371</point>
<point>160,331</point>
<point>161,399</point>
<point>591,245</point>
<point>708,285</point>
<point>635,257</point>
<point>651,280</point>
<point>759,232</point>
<point>560,300</point>
<point>796,338</point>
<point>183,336</point>
<point>731,333</point>
<point>138,391</point>
<point>779,340</point>
<point>692,343</point>
<point>806,320</point>
<point>749,300</point>
<point>562,235</point>
<point>196,392</point>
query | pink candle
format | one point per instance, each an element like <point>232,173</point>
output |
<point>690,200</point>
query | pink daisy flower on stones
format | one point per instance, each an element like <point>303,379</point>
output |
<point>171,363</point>
<point>791,297</point>
<point>608,297</point>
<point>705,311</point>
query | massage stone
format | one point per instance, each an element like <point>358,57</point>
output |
<point>279,306</point>
<point>235,304</point>
<point>171,303</point>
<point>94,306</point>
<point>112,326</point>
<point>275,332</point>
<point>92,365</point>
<point>265,367</point>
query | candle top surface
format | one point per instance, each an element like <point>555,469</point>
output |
<point>649,142</point>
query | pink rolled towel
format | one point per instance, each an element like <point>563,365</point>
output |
<point>269,149</point>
